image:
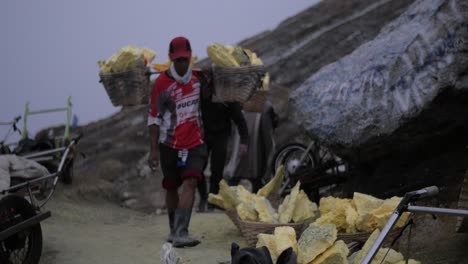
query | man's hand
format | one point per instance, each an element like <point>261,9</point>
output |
<point>153,160</point>
<point>243,148</point>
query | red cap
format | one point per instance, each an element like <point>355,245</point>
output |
<point>180,48</point>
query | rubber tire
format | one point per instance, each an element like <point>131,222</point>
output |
<point>67,174</point>
<point>26,210</point>
<point>283,152</point>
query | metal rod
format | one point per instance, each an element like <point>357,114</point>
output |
<point>6,123</point>
<point>378,242</point>
<point>48,111</point>
<point>66,134</point>
<point>62,161</point>
<point>40,159</point>
<point>306,152</point>
<point>18,186</point>
<point>42,153</point>
<point>23,225</point>
<point>24,131</point>
<point>434,210</point>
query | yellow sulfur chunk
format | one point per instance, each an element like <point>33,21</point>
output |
<point>287,214</point>
<point>283,238</point>
<point>330,203</point>
<point>314,241</point>
<point>269,241</point>
<point>274,184</point>
<point>304,208</point>
<point>363,252</point>
<point>339,212</point>
<point>266,82</point>
<point>229,196</point>
<point>125,59</point>
<point>247,212</point>
<point>229,48</point>
<point>148,54</point>
<point>216,199</point>
<point>410,261</point>
<point>381,256</point>
<point>254,60</point>
<point>240,56</point>
<point>161,67</point>
<point>365,204</point>
<point>290,237</point>
<point>244,195</point>
<point>284,205</point>
<point>266,213</point>
<point>383,213</point>
<point>221,56</point>
<point>337,254</point>
<point>351,219</point>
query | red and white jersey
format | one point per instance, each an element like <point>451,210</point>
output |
<point>175,108</point>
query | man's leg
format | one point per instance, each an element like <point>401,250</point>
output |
<point>171,181</point>
<point>202,185</point>
<point>203,193</point>
<point>218,159</point>
<point>187,195</point>
<point>190,176</point>
<point>172,199</point>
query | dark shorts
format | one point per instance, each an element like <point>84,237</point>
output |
<point>174,175</point>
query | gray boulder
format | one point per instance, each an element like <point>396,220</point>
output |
<point>369,101</point>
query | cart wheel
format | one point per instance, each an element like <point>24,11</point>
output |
<point>289,156</point>
<point>25,246</point>
<point>67,175</point>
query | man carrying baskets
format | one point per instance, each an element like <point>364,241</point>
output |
<point>176,138</point>
<point>217,118</point>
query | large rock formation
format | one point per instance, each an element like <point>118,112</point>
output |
<point>368,102</point>
<point>320,35</point>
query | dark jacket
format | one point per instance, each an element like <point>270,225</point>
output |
<point>217,119</point>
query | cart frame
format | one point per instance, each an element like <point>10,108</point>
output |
<point>34,220</point>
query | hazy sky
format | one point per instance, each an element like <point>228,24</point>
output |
<point>49,49</point>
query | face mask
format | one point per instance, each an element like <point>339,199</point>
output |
<point>181,79</point>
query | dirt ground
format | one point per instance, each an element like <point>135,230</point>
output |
<point>97,231</point>
<point>84,230</point>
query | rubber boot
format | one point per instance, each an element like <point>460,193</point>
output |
<point>182,221</point>
<point>171,215</point>
<point>202,206</point>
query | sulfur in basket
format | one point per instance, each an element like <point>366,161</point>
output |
<point>363,236</point>
<point>236,84</point>
<point>250,230</point>
<point>233,216</point>
<point>128,88</point>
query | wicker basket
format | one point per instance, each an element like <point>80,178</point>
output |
<point>236,84</point>
<point>232,214</point>
<point>127,88</point>
<point>250,230</point>
<point>363,236</point>
<point>256,103</point>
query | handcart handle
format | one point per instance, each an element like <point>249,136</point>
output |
<point>149,73</point>
<point>77,138</point>
<point>402,207</point>
<point>423,193</point>
<point>73,142</point>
